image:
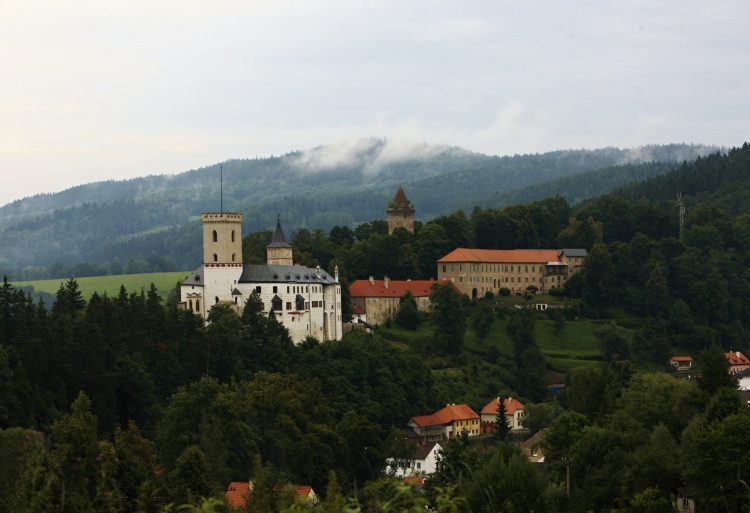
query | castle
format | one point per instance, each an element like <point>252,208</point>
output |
<point>306,301</point>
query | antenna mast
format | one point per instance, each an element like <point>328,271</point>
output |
<point>681,211</point>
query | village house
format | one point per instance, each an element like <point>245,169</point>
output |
<point>238,494</point>
<point>738,362</point>
<point>514,411</point>
<point>681,363</point>
<point>478,271</point>
<point>306,301</point>
<point>380,300</point>
<point>446,423</point>
<point>424,462</point>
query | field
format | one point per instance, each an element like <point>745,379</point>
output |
<point>164,282</point>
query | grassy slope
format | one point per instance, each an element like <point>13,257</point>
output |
<point>575,345</point>
<point>165,283</point>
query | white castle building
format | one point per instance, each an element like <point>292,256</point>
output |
<point>306,301</point>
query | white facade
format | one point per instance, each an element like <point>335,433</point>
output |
<point>306,301</point>
<point>424,462</point>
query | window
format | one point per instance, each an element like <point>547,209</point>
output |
<point>216,236</point>
<point>190,304</point>
<point>419,465</point>
<point>533,268</point>
<point>232,235</point>
<point>216,257</point>
<point>197,305</point>
<point>451,267</point>
<point>276,303</point>
<point>526,269</point>
<point>511,268</point>
<point>443,267</point>
<point>275,289</point>
<point>288,305</point>
<point>217,299</point>
<point>233,255</point>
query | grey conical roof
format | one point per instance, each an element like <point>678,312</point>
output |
<point>279,241</point>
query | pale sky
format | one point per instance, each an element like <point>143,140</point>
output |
<point>94,91</point>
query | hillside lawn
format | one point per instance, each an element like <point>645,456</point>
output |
<point>575,345</point>
<point>164,282</point>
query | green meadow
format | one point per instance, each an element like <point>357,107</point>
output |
<point>164,282</point>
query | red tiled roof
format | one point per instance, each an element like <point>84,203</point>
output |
<point>303,491</point>
<point>511,406</point>
<point>449,414</point>
<point>532,256</point>
<point>396,288</point>
<point>237,493</point>
<point>414,480</point>
<point>358,310</point>
<point>737,358</point>
<point>682,359</point>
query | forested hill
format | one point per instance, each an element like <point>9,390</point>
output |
<point>720,181</point>
<point>320,188</point>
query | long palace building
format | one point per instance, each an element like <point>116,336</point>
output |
<point>477,271</point>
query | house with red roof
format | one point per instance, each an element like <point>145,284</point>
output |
<point>478,271</point>
<point>514,411</point>
<point>446,423</point>
<point>738,362</point>
<point>238,493</point>
<point>681,363</point>
<point>381,299</point>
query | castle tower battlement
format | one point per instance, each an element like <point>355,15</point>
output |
<point>222,238</point>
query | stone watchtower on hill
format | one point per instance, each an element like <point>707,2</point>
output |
<point>400,213</point>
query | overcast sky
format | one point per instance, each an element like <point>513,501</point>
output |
<point>94,91</point>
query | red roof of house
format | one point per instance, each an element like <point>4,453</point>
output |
<point>237,493</point>
<point>511,406</point>
<point>447,415</point>
<point>414,480</point>
<point>682,359</point>
<point>358,310</point>
<point>737,358</point>
<point>396,288</point>
<point>532,256</point>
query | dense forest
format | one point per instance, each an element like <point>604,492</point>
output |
<point>113,227</point>
<point>128,403</point>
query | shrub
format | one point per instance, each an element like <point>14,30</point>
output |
<point>504,291</point>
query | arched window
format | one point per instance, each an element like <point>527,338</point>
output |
<point>232,235</point>
<point>197,305</point>
<point>216,257</point>
<point>216,236</point>
<point>217,299</point>
<point>190,304</point>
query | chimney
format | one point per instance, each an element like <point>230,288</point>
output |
<point>372,280</point>
<point>336,273</point>
<point>738,354</point>
<point>385,281</point>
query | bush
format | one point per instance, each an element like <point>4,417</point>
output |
<point>533,289</point>
<point>504,291</point>
<point>557,292</point>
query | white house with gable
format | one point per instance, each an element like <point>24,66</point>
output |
<point>306,301</point>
